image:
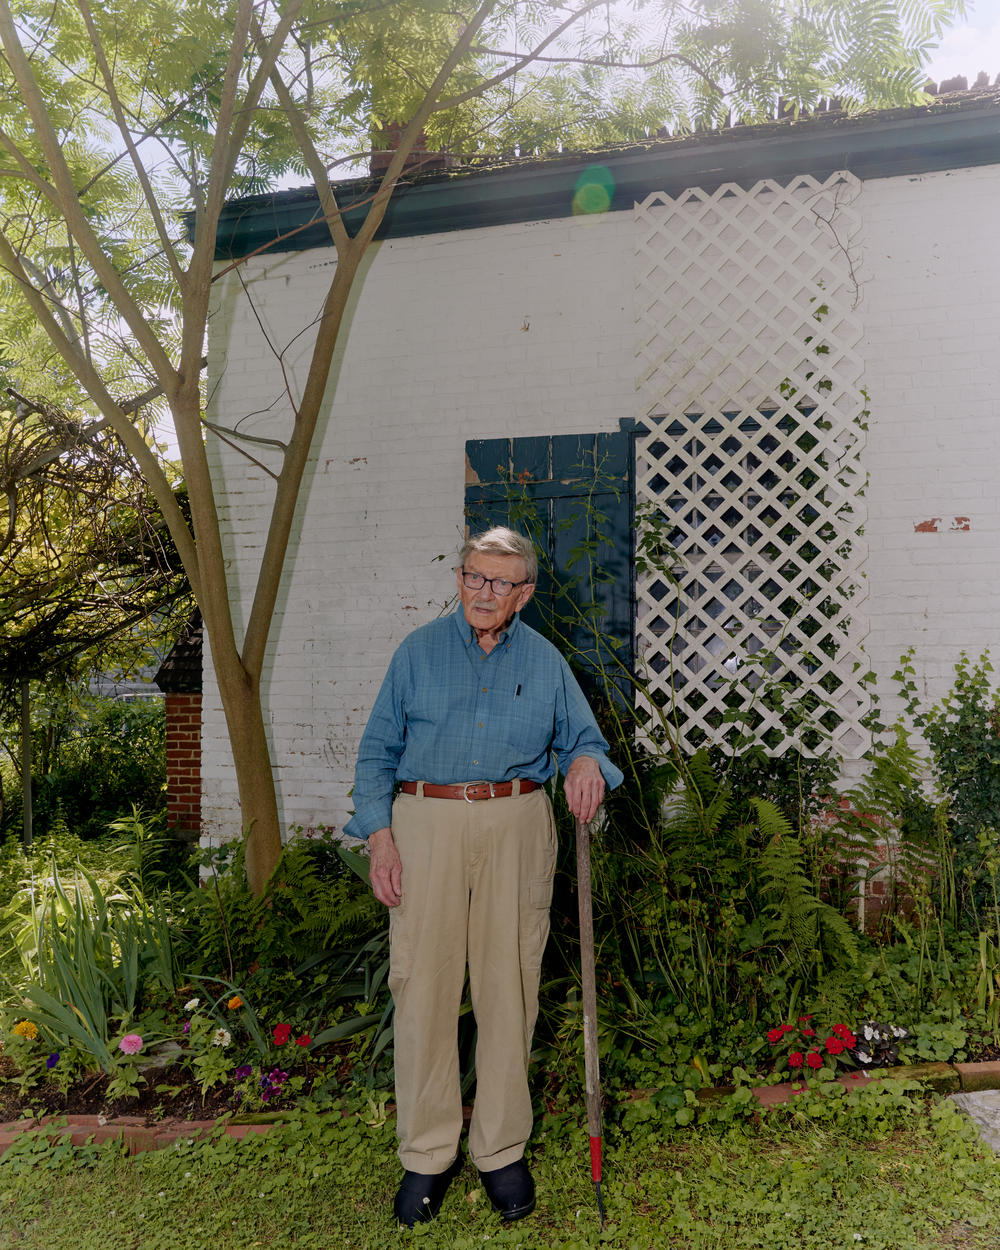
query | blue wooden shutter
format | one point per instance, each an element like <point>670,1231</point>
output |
<point>573,493</point>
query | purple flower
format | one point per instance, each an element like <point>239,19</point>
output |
<point>266,1094</point>
<point>187,1026</point>
<point>243,1071</point>
<point>263,1082</point>
<point>52,1060</point>
<point>277,1078</point>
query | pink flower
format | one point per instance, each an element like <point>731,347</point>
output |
<point>130,1044</point>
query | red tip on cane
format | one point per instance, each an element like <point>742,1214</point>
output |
<point>595,1159</point>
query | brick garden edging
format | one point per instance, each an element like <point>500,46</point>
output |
<point>138,1136</point>
<point>944,1078</point>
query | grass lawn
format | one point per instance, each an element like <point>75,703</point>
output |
<point>912,1178</point>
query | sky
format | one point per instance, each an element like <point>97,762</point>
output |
<point>970,45</point>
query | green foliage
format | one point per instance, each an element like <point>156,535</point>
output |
<point>815,937</point>
<point>313,906</point>
<point>963,734</point>
<point>88,960</point>
<point>95,759</point>
<point>112,759</point>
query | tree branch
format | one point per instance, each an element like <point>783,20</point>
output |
<point>527,59</point>
<point>93,384</point>
<point>69,204</point>
<point>317,170</point>
<point>126,134</point>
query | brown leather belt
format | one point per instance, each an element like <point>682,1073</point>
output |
<point>473,792</point>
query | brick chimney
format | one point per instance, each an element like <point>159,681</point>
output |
<point>420,159</point>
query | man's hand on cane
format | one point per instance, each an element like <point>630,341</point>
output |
<point>584,787</point>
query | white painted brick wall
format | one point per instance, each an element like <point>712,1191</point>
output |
<point>930,285</point>
<point>529,329</point>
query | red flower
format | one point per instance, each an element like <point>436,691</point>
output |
<point>775,1035</point>
<point>845,1035</point>
<point>795,1059</point>
<point>808,1032</point>
<point>814,1059</point>
<point>801,1018</point>
<point>282,1032</point>
<point>834,1045</point>
<point>304,1040</point>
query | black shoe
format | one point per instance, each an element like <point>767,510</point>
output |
<point>419,1196</point>
<point>511,1190</point>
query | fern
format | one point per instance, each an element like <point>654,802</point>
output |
<point>872,829</point>
<point>813,936</point>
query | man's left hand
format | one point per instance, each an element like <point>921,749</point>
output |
<point>584,787</point>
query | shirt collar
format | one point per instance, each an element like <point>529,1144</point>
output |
<point>469,634</point>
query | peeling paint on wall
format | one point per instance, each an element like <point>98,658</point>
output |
<point>959,525</point>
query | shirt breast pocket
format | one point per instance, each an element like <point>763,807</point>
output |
<point>530,725</point>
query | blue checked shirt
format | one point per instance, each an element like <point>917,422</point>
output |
<point>448,713</point>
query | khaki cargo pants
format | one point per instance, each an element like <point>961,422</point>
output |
<point>477,886</point>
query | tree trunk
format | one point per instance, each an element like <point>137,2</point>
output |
<point>241,703</point>
<point>26,760</point>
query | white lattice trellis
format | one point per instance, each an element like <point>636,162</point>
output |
<point>754,417</point>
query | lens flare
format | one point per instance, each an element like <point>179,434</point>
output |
<point>594,190</point>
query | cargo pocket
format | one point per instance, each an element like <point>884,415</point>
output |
<point>534,922</point>
<point>400,948</point>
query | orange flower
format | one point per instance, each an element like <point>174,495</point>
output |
<point>234,1002</point>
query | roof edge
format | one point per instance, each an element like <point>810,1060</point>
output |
<point>953,133</point>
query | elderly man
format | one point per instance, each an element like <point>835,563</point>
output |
<point>475,712</point>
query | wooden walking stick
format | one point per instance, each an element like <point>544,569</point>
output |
<point>592,1063</point>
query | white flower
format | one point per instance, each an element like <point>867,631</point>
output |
<point>221,1037</point>
<point>192,1004</point>
<point>868,1032</point>
<point>859,1236</point>
<point>864,1056</point>
<point>897,1031</point>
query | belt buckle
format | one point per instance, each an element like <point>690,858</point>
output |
<point>465,791</point>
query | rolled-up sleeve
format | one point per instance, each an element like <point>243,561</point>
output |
<point>379,753</point>
<point>577,732</point>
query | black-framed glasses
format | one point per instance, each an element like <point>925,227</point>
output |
<point>500,586</point>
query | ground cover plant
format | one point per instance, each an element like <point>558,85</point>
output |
<point>885,1171</point>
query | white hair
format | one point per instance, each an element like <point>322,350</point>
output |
<point>501,541</point>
